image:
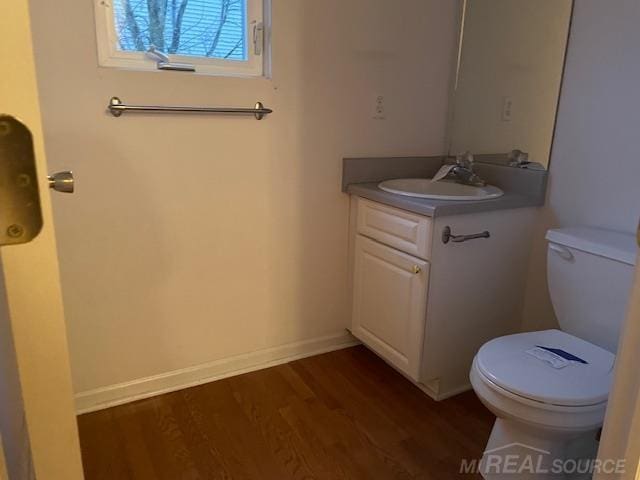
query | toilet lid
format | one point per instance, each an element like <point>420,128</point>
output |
<point>549,366</point>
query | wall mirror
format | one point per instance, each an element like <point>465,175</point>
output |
<point>510,65</point>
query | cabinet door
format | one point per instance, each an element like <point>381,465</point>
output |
<point>390,296</point>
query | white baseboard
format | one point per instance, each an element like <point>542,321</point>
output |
<point>112,395</point>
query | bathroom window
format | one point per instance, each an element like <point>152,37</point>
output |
<point>216,37</point>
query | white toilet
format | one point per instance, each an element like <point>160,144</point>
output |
<point>549,389</point>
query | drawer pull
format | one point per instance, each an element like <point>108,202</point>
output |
<point>416,269</point>
<point>447,236</point>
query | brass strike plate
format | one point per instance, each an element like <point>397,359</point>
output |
<point>20,212</point>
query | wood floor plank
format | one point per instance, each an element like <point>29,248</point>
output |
<point>103,453</point>
<point>153,436</point>
<point>365,423</point>
<point>344,415</point>
<point>295,382</point>
<point>409,406</point>
<point>323,463</point>
<point>261,396</point>
<point>132,436</point>
<point>208,459</point>
<point>218,415</point>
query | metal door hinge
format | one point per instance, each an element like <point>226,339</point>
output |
<point>20,213</point>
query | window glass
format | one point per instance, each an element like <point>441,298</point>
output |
<point>199,28</point>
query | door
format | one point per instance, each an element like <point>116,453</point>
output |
<point>4,475</point>
<point>37,418</point>
<point>389,302</point>
<point>621,431</point>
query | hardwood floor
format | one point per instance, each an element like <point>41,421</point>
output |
<point>342,415</point>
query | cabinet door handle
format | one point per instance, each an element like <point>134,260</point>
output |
<point>448,236</point>
<point>416,269</point>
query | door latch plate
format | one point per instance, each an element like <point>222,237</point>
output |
<point>20,212</point>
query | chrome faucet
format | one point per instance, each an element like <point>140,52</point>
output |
<point>462,171</point>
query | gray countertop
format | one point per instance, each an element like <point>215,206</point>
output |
<point>433,208</point>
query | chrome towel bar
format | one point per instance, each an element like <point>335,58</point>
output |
<point>117,108</point>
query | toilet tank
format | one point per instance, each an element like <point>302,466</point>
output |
<point>590,272</point>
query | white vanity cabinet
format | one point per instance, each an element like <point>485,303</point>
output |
<point>426,307</point>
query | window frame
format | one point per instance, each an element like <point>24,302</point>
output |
<point>255,66</point>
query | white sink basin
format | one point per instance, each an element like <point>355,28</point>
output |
<point>440,190</point>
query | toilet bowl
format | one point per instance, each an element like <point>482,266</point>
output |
<point>549,389</point>
<point>542,409</point>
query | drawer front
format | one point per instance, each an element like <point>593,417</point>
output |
<point>397,228</point>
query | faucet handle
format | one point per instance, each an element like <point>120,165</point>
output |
<point>465,159</point>
<point>518,158</point>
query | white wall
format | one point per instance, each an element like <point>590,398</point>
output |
<point>191,239</point>
<point>595,165</point>
<point>515,49</point>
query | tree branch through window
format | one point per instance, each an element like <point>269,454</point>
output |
<point>206,28</point>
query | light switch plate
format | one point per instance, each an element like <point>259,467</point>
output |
<point>507,109</point>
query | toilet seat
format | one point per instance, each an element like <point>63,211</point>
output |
<point>506,404</point>
<point>517,364</point>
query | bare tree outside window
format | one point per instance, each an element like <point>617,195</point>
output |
<point>202,28</point>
